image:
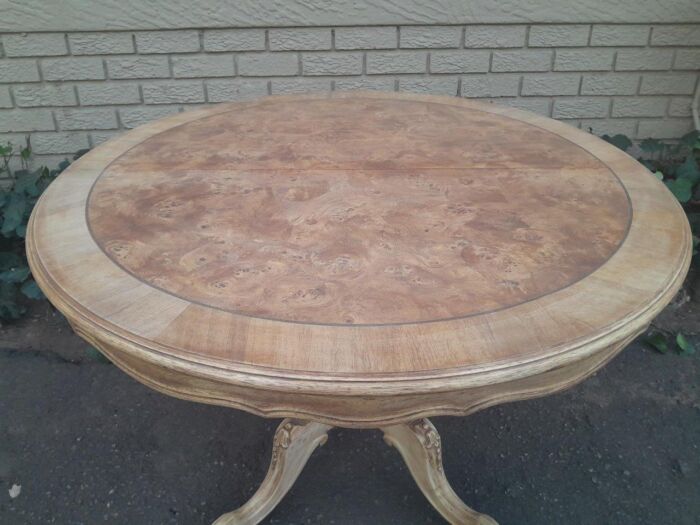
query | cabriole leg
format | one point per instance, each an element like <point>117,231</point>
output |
<point>293,444</point>
<point>419,444</point>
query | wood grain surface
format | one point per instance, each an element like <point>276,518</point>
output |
<point>358,259</point>
<point>358,211</point>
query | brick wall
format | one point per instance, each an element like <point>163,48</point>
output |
<point>77,89</point>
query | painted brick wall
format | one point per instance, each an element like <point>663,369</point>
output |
<point>77,89</point>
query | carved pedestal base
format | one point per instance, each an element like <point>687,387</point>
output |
<point>419,445</point>
<point>293,444</point>
<point>421,448</point>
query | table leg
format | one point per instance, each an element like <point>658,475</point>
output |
<point>293,444</point>
<point>419,444</point>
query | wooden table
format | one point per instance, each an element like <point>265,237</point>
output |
<point>358,260</point>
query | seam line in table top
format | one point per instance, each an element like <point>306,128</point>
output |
<point>368,325</point>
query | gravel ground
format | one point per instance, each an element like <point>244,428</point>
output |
<point>90,445</point>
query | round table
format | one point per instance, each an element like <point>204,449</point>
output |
<point>359,260</point>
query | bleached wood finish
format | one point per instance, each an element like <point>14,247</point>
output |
<point>359,260</point>
<point>421,447</point>
<point>293,444</point>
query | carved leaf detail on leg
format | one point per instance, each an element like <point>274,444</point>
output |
<point>421,448</point>
<point>281,442</point>
<point>291,448</point>
<point>430,439</point>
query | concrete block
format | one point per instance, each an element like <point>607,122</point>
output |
<point>521,60</point>
<point>396,62</point>
<point>442,85</point>
<point>235,89</point>
<point>421,37</point>
<point>492,85</point>
<point>664,129</point>
<point>59,142</point>
<point>680,107</point>
<point>463,61</point>
<point>193,66</point>
<point>550,84</point>
<point>550,35</point>
<point>581,107</point>
<point>184,92</point>
<point>609,126</point>
<point>366,37</point>
<point>138,67</point>
<point>167,41</point>
<point>18,70</point>
<point>639,107</point>
<point>493,36</point>
<point>619,35</point>
<point>86,118</point>
<point>45,95</point>
<point>643,59</point>
<point>132,117</point>
<point>108,93</point>
<point>687,59</point>
<point>100,136</point>
<point>541,106</point>
<point>336,63</point>
<point>5,98</point>
<point>591,59</point>
<point>300,85</point>
<point>676,35</point>
<point>372,83</point>
<point>610,84</point>
<point>34,44</point>
<point>268,64</point>
<point>304,39</point>
<point>234,40</point>
<point>668,84</point>
<point>21,120</point>
<point>73,69</point>
<point>101,43</point>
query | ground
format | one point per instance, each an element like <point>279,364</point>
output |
<point>89,445</point>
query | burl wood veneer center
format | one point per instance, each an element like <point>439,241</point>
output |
<point>358,260</point>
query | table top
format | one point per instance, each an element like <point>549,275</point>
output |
<point>359,237</point>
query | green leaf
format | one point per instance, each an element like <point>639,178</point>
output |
<point>31,289</point>
<point>9,307</point>
<point>619,140</point>
<point>26,153</point>
<point>687,348</point>
<point>651,145</point>
<point>14,275</point>
<point>43,183</point>
<point>26,181</point>
<point>691,139</point>
<point>659,175</point>
<point>681,188</point>
<point>9,260</point>
<point>689,170</point>
<point>21,231</point>
<point>658,342</point>
<point>13,213</point>
<point>5,150</point>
